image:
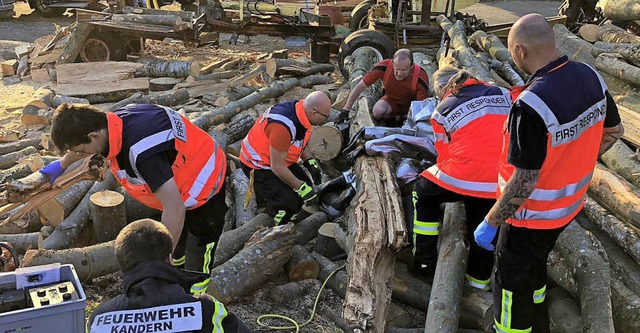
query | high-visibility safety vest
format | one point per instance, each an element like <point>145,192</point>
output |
<point>468,130</point>
<point>414,79</point>
<point>198,170</point>
<point>574,120</point>
<point>255,151</point>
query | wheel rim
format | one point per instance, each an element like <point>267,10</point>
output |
<point>364,23</point>
<point>378,54</point>
<point>42,6</point>
<point>95,50</point>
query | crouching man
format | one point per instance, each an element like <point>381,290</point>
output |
<point>156,294</point>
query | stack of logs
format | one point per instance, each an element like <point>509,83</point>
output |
<point>595,264</point>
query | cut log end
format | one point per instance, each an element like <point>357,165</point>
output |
<point>325,142</point>
<point>106,198</point>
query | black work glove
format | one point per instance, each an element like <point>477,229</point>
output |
<point>314,169</point>
<point>342,117</point>
<point>308,194</point>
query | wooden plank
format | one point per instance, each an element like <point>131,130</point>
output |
<point>106,71</point>
<point>52,56</point>
<point>40,75</point>
<point>98,87</point>
<point>631,123</point>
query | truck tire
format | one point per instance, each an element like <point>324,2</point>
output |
<point>42,8</point>
<point>103,46</point>
<point>365,38</point>
<point>360,15</point>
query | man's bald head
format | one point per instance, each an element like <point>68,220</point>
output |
<point>532,43</point>
<point>317,105</point>
<point>402,64</point>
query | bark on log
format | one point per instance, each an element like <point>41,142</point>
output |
<point>314,80</point>
<point>55,210</point>
<point>507,71</point>
<point>76,41</point>
<point>10,159</point>
<point>291,291</point>
<point>89,262</point>
<point>30,222</point>
<point>304,71</point>
<point>491,44</point>
<point>630,52</point>
<point>446,296</point>
<point>618,159</point>
<point>14,172</point>
<point>326,142</point>
<point>253,73</point>
<point>264,255</point>
<point>169,68</point>
<point>238,127</point>
<point>232,94</point>
<point>135,209</point>
<point>206,119</point>
<point>67,231</point>
<point>23,242</point>
<point>215,76</point>
<point>301,266</point>
<point>108,214</point>
<point>273,66</point>
<point>591,271</point>
<point>169,98</point>
<point>163,83</point>
<point>465,53</point>
<point>564,311</point>
<point>232,241</point>
<point>240,186</point>
<point>620,10</point>
<point>59,99</point>
<point>11,147</point>
<point>165,20</point>
<point>19,188</point>
<point>616,66</point>
<point>326,241</point>
<point>624,235</point>
<point>613,34</point>
<point>622,266</point>
<point>376,206</point>
<point>616,194</point>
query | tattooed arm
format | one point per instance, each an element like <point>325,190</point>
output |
<point>517,190</point>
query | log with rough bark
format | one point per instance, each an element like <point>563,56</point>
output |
<point>169,68</point>
<point>169,98</point>
<point>60,99</point>
<point>301,266</point>
<point>305,71</point>
<point>240,187</point>
<point>616,66</point>
<point>376,206</point>
<point>291,291</point>
<point>20,188</point>
<point>55,210</point>
<point>11,147</point>
<point>616,194</point>
<point>10,159</point>
<point>30,222</point>
<point>314,80</point>
<point>135,209</point>
<point>564,311</point>
<point>274,66</point>
<point>253,73</point>
<point>23,242</point>
<point>620,10</point>
<point>618,159</point>
<point>231,242</point>
<point>76,41</point>
<point>264,255</point>
<point>14,172</point>
<point>446,296</point>
<point>506,71</point>
<point>493,45</point>
<point>630,52</point>
<point>327,240</point>
<point>238,127</point>
<point>108,214</point>
<point>613,34</point>
<point>592,274</point>
<point>165,20</point>
<point>214,76</point>
<point>465,53</point>
<point>207,119</point>
<point>89,262</point>
<point>233,94</point>
<point>41,99</point>
<point>624,235</point>
<point>67,231</point>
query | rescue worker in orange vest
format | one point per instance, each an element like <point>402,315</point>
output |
<point>272,149</point>
<point>560,123</point>
<point>163,161</point>
<point>403,82</point>
<point>467,124</point>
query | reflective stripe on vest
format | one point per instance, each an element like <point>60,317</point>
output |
<point>196,185</point>
<point>462,184</point>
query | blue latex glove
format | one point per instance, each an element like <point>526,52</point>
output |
<point>484,235</point>
<point>53,170</point>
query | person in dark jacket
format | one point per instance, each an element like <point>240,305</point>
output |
<point>156,294</point>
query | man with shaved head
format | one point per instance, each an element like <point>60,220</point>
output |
<point>403,82</point>
<point>271,151</point>
<point>560,122</point>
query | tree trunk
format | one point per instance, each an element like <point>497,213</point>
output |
<point>67,231</point>
<point>238,127</point>
<point>505,70</point>
<point>135,209</point>
<point>615,65</point>
<point>631,52</point>
<point>55,210</point>
<point>29,222</point>
<point>21,188</point>
<point>616,194</point>
<point>89,262</point>
<point>564,311</point>
<point>11,147</point>
<point>592,275</point>
<point>620,10</point>
<point>589,32</point>
<point>233,94</point>
<point>232,242</point>
<point>240,187</point>
<point>304,71</point>
<point>264,255</point>
<point>108,214</point>
<point>206,119</point>
<point>169,98</point>
<point>273,66</point>
<point>60,99</point>
<point>618,160</point>
<point>215,76</point>
<point>493,45</point>
<point>10,159</point>
<point>165,20</point>
<point>286,293</point>
<point>169,68</point>
<point>325,142</point>
<point>163,83</point>
<point>14,172</point>
<point>327,242</point>
<point>613,34</point>
<point>446,296</point>
<point>465,53</point>
<point>301,266</point>
<point>76,41</point>
<point>314,80</point>
<point>23,242</point>
<point>376,206</point>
